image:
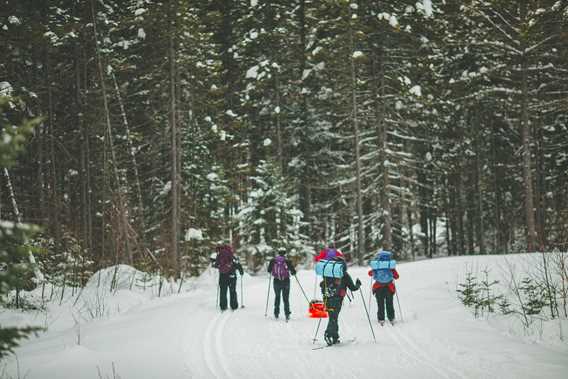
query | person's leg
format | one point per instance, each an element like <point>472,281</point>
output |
<point>333,306</point>
<point>277,294</point>
<point>223,285</point>
<point>380,294</point>
<point>390,306</point>
<point>233,292</point>
<point>286,298</point>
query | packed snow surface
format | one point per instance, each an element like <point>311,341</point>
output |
<point>185,335</point>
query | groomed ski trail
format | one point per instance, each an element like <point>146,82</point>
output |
<point>213,347</point>
<point>186,336</point>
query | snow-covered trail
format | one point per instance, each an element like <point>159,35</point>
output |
<point>185,336</point>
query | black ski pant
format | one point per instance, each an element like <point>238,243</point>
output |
<point>333,306</point>
<point>281,289</point>
<point>384,296</point>
<point>228,281</point>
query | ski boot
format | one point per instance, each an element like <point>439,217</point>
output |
<point>328,339</point>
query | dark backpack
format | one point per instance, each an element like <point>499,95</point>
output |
<point>280,268</point>
<point>225,260</point>
<point>331,287</point>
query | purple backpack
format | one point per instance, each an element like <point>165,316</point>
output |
<point>280,268</point>
<point>225,259</point>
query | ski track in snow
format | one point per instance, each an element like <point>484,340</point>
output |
<point>213,347</point>
<point>219,344</point>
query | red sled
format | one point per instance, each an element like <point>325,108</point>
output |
<point>317,309</point>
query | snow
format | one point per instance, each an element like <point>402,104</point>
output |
<point>427,4</point>
<point>141,33</point>
<point>137,334</point>
<point>252,72</point>
<point>416,90</point>
<point>14,20</point>
<point>193,234</point>
<point>358,54</point>
<point>230,113</point>
<point>393,21</point>
<point>6,89</point>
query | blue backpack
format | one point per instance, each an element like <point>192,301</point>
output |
<point>330,269</point>
<point>382,266</point>
<point>280,268</point>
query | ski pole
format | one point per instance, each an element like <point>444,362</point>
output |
<point>399,309</point>
<point>368,318</point>
<point>299,284</point>
<point>317,329</point>
<point>242,296</point>
<point>268,295</point>
<point>315,285</point>
<point>217,301</point>
<point>370,293</point>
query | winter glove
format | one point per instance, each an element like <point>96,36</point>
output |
<point>358,283</point>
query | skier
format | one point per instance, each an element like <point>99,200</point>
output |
<point>281,268</point>
<point>228,264</point>
<point>333,291</point>
<point>384,288</point>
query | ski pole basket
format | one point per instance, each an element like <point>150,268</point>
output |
<point>317,309</point>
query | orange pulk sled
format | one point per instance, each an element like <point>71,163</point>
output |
<point>317,309</point>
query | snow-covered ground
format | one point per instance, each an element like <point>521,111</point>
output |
<point>134,335</point>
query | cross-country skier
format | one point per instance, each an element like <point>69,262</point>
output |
<point>228,265</point>
<point>384,288</point>
<point>333,291</point>
<point>281,268</point>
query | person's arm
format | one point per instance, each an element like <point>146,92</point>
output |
<point>349,282</point>
<point>270,265</point>
<point>238,265</point>
<point>395,273</point>
<point>216,261</point>
<point>290,267</point>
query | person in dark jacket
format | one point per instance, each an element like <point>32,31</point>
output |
<point>228,265</point>
<point>281,268</point>
<point>333,291</point>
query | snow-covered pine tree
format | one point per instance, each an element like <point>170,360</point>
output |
<point>15,265</point>
<point>270,219</point>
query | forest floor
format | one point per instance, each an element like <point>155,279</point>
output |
<point>185,335</point>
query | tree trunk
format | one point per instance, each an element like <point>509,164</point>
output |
<point>55,209</point>
<point>120,198</point>
<point>479,196</point>
<point>304,190</point>
<point>174,253</point>
<point>279,141</point>
<point>359,193</point>
<point>526,143</point>
<point>378,74</point>
<point>131,152</point>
